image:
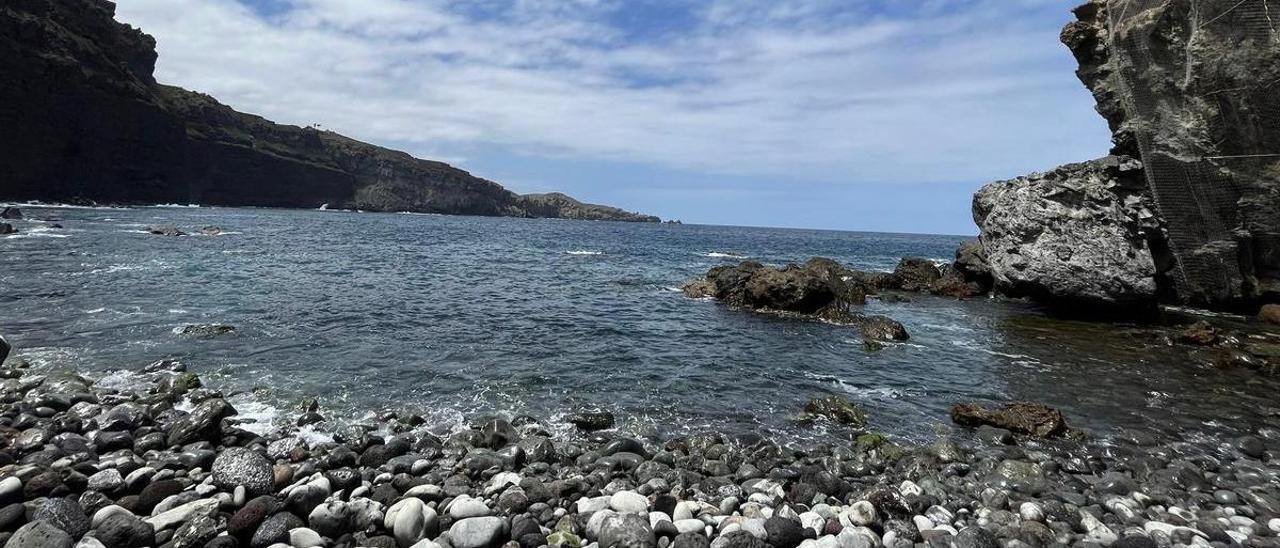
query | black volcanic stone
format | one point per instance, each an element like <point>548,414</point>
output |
<point>783,533</point>
<point>61,513</point>
<point>275,529</point>
<point>125,531</point>
<point>155,492</point>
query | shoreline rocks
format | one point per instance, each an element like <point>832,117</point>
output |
<point>186,474</point>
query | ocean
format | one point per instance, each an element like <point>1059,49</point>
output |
<point>452,317</point>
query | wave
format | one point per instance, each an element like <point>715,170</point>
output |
<point>723,255</point>
<point>55,205</point>
<point>34,233</point>
<point>174,206</point>
<point>585,253</point>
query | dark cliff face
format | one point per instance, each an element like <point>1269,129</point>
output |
<point>85,120</point>
<point>1194,91</point>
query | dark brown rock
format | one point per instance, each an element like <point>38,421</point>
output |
<point>1200,333</point>
<point>916,274</point>
<point>1019,417</point>
<point>1270,314</point>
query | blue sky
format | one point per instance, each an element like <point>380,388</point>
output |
<point>881,115</point>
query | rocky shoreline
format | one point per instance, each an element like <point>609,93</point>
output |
<point>167,462</point>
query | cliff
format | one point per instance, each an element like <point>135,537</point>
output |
<point>1189,89</point>
<point>86,121</point>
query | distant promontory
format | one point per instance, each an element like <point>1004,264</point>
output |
<point>86,122</point>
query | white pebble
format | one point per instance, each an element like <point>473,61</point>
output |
<point>1031,511</point>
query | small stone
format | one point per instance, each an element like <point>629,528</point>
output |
<point>39,534</point>
<point>1252,447</point>
<point>106,481</point>
<point>783,533</point>
<point>1270,314</point>
<point>626,531</point>
<point>467,507</point>
<point>629,502</point>
<point>63,514</point>
<point>303,537</point>
<point>121,529</point>
<point>975,537</point>
<point>240,466</point>
<point>275,530</point>
<point>1031,511</point>
<point>591,422</point>
<point>478,532</point>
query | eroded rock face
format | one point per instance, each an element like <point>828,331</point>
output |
<point>87,122</point>
<point>1190,88</point>
<point>1078,235</point>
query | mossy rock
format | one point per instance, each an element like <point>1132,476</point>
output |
<point>837,409</point>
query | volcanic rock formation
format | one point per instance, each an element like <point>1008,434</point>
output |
<point>85,121</point>
<point>1189,89</point>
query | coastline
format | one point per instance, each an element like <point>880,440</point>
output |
<point>162,460</point>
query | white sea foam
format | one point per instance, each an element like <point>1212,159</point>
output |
<point>43,205</point>
<point>259,417</point>
<point>723,255</point>
<point>174,206</point>
<point>37,232</point>
<point>585,253</point>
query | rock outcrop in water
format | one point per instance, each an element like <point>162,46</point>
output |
<point>819,289</point>
<point>85,121</point>
<point>1189,89</point>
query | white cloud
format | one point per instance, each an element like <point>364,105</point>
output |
<point>822,91</point>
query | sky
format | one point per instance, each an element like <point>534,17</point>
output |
<point>875,115</point>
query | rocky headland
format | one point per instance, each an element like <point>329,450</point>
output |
<point>86,122</point>
<point>1186,210</point>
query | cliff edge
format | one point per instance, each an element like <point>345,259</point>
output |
<point>1190,90</point>
<point>85,121</point>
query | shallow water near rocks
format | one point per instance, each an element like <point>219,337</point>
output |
<point>454,316</point>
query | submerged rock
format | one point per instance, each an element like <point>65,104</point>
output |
<point>837,409</point>
<point>11,213</point>
<point>166,231</point>
<point>211,231</point>
<point>6,229</point>
<point>1019,417</point>
<point>1200,333</point>
<point>881,328</point>
<point>1270,314</point>
<point>592,421</point>
<point>207,330</point>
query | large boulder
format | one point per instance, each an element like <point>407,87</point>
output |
<point>916,274</point>
<point>817,287</point>
<point>1080,235</point>
<point>1020,417</point>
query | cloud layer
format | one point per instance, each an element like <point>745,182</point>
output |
<point>848,91</point>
